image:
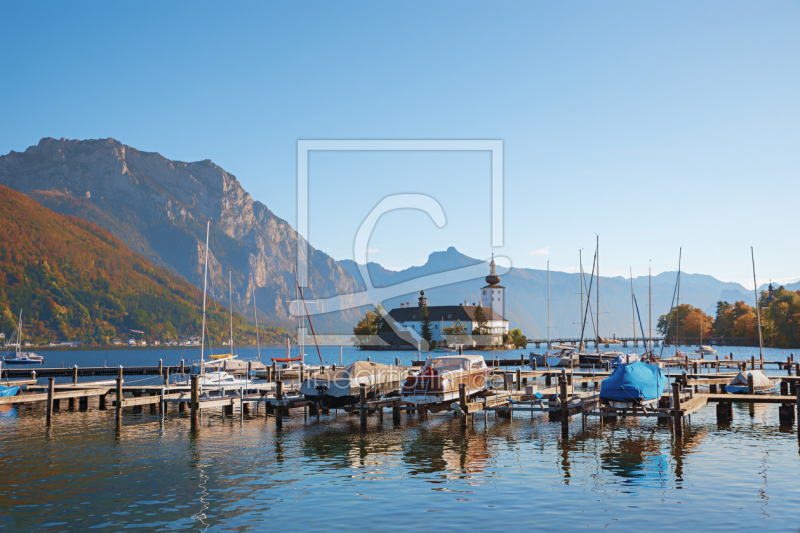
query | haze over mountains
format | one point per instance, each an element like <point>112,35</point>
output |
<point>159,208</point>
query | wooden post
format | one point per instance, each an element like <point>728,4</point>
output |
<point>182,368</point>
<point>83,402</point>
<point>269,374</point>
<point>396,412</point>
<point>519,380</point>
<point>797,408</point>
<point>750,387</point>
<point>717,364</point>
<point>195,397</point>
<point>102,405</point>
<point>677,419</point>
<point>752,362</point>
<point>784,388</point>
<point>160,367</point>
<point>75,375</point>
<point>51,386</point>
<point>562,383</point>
<point>119,395</point>
<point>278,397</point>
<point>533,363</point>
<point>788,365</point>
<point>362,393</point>
<point>166,376</point>
<point>462,402</point>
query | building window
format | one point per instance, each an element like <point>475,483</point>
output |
<point>413,317</point>
<point>449,316</point>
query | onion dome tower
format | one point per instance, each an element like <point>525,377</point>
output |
<point>493,295</point>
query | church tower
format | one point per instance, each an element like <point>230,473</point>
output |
<point>493,295</point>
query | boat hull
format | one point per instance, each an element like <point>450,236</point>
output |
<point>738,389</point>
<point>21,362</point>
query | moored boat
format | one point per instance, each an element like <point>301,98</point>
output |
<point>762,384</point>
<point>633,385</point>
<point>341,387</point>
<point>18,357</point>
<point>440,377</point>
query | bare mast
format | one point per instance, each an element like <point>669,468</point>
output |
<point>205,289</point>
<point>678,301</point>
<point>230,305</point>
<point>758,308</point>
<point>548,304</point>
<point>598,293</point>
<point>255,315</point>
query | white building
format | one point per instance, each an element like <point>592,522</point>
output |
<point>492,303</point>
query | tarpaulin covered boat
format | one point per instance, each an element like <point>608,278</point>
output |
<point>762,384</point>
<point>634,384</point>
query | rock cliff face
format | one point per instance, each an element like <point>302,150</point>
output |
<point>159,208</point>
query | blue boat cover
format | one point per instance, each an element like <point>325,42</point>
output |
<point>636,381</point>
<point>8,391</point>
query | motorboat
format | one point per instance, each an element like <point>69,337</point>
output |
<point>340,387</point>
<point>439,379</point>
<point>18,357</point>
<point>600,358</point>
<point>567,356</point>
<point>214,378</point>
<point>706,350</point>
<point>633,385</point>
<point>762,384</point>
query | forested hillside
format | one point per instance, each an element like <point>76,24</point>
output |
<point>75,281</point>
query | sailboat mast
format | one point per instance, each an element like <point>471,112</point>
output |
<point>678,301</point>
<point>758,308</point>
<point>205,289</point>
<point>633,310</point>
<point>580,262</point>
<point>255,315</point>
<point>548,304</point>
<point>598,293</point>
<point>230,305</point>
<point>650,303</point>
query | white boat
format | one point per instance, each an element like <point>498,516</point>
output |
<point>342,387</point>
<point>706,350</point>
<point>762,384</point>
<point>440,377</point>
<point>18,357</point>
<point>567,356</point>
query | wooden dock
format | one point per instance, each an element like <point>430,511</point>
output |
<point>559,394</point>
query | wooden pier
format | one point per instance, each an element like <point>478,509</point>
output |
<point>560,394</point>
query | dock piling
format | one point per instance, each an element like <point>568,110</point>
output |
<point>677,418</point>
<point>50,391</point>
<point>278,408</point>
<point>362,393</point>
<point>750,386</point>
<point>75,375</point>
<point>462,402</point>
<point>195,398</point>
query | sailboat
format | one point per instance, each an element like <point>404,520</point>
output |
<point>216,379</point>
<point>18,357</point>
<point>565,354</point>
<point>292,367</point>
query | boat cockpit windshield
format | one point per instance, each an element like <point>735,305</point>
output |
<point>451,363</point>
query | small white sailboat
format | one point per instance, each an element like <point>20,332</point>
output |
<point>18,357</point>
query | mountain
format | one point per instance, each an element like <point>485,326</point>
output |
<point>526,295</point>
<point>159,208</point>
<point>75,281</point>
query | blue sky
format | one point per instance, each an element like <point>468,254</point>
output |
<point>656,125</point>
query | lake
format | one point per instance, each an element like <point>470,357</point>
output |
<point>241,473</point>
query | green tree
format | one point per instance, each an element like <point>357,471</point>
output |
<point>426,329</point>
<point>480,321</point>
<point>517,338</point>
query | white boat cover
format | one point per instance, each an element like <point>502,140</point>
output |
<point>346,380</point>
<point>760,379</point>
